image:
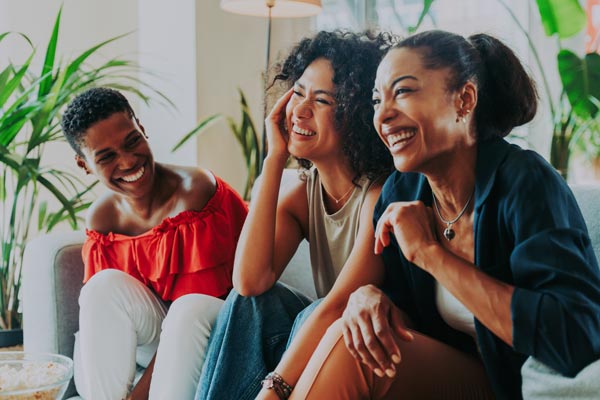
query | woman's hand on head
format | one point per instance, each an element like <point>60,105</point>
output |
<point>413,226</point>
<point>277,135</point>
<point>372,327</point>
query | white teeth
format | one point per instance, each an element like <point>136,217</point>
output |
<point>402,135</point>
<point>135,176</point>
<point>303,132</point>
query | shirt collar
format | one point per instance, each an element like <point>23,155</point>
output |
<point>490,155</point>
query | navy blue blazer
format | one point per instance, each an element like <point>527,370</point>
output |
<point>529,232</point>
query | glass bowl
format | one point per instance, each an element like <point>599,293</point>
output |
<point>36,376</point>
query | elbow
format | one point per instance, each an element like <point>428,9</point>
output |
<point>250,286</point>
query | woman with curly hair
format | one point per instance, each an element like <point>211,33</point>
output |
<point>324,120</point>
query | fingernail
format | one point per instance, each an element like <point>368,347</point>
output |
<point>378,372</point>
<point>396,359</point>
<point>390,372</point>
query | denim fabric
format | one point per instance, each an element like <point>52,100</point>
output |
<point>247,341</point>
<point>301,319</point>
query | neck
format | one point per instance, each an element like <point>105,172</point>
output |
<point>164,184</point>
<point>454,182</point>
<point>336,178</point>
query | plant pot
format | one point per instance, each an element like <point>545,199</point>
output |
<point>11,337</point>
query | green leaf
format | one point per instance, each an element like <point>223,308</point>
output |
<point>74,66</point>
<point>563,17</point>
<point>14,83</point>
<point>581,81</point>
<point>43,208</point>
<point>59,196</point>
<point>424,12</point>
<point>49,58</point>
<point>198,129</point>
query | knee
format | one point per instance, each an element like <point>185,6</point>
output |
<point>101,287</point>
<point>195,309</point>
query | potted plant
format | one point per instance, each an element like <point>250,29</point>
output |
<point>30,106</point>
<point>246,135</point>
<point>576,106</point>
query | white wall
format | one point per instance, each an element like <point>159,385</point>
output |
<point>198,55</point>
<point>231,54</point>
<point>167,48</point>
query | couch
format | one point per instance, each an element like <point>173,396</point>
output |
<point>53,273</point>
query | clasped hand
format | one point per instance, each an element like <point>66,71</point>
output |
<point>373,326</point>
<point>413,226</point>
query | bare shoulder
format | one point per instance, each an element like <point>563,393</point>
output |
<point>198,185</point>
<point>371,199</point>
<point>375,190</point>
<point>293,197</point>
<point>103,215</point>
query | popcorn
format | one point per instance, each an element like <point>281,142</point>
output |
<point>31,375</point>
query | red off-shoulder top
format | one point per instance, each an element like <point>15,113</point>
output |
<point>190,253</point>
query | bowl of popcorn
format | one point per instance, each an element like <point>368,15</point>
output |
<point>38,376</point>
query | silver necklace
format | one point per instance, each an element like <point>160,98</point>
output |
<point>449,232</point>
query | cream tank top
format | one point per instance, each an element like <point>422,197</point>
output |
<point>331,236</point>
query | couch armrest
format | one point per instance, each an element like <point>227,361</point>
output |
<point>52,279</point>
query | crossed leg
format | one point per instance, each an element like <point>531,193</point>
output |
<point>429,370</point>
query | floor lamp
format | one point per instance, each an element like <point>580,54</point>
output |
<point>271,9</point>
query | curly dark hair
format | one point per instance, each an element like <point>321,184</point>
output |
<point>89,107</point>
<point>354,58</point>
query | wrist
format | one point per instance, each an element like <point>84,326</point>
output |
<point>273,381</point>
<point>429,256</point>
<point>276,160</point>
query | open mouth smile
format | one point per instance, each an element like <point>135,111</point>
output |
<point>303,132</point>
<point>134,176</point>
<point>398,139</point>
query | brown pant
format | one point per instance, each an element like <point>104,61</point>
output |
<point>429,370</point>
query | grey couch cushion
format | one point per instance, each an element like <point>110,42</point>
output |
<point>588,198</point>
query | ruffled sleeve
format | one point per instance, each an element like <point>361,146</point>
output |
<point>192,252</point>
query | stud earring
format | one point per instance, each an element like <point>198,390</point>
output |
<point>464,118</point>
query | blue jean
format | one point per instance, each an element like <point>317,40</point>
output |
<point>248,341</point>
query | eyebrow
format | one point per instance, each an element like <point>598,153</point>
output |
<point>318,91</point>
<point>398,79</point>
<point>108,149</point>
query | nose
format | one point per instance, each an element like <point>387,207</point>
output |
<point>127,160</point>
<point>302,109</point>
<point>385,112</point>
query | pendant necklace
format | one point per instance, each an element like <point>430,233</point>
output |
<point>337,201</point>
<point>449,232</point>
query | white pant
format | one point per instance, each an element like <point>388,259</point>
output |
<point>120,324</point>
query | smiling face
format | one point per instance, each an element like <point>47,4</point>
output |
<point>310,114</point>
<point>115,149</point>
<point>415,115</point>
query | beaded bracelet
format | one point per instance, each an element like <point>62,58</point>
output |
<point>275,382</point>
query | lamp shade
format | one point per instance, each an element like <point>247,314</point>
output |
<point>280,8</point>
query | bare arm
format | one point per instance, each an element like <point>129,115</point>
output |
<point>272,231</point>
<point>361,268</point>
<point>487,298</point>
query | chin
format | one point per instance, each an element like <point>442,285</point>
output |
<point>401,164</point>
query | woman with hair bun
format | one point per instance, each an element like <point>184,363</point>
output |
<point>487,257</point>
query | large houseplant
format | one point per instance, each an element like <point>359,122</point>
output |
<point>575,109</point>
<point>34,196</point>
